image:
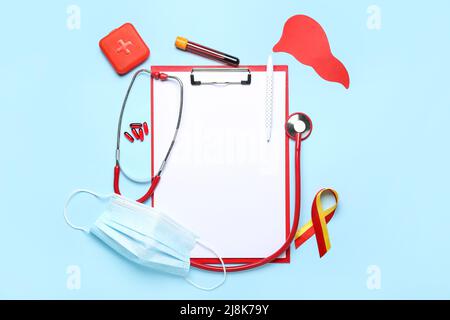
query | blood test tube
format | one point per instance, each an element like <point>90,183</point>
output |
<point>141,134</point>
<point>186,45</point>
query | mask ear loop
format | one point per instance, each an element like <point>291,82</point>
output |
<point>223,267</point>
<point>70,198</point>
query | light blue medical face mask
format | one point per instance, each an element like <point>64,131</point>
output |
<point>143,235</point>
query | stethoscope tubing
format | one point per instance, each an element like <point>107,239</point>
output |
<point>291,236</point>
<point>155,181</point>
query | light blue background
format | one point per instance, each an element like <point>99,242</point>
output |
<point>383,144</point>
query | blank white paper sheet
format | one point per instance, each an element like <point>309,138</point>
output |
<point>223,180</point>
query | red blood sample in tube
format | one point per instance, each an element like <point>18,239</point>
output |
<point>185,45</point>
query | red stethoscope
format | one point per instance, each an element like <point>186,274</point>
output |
<point>298,128</point>
<point>155,180</point>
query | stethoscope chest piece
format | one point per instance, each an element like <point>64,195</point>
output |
<point>299,123</point>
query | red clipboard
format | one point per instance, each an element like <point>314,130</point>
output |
<point>254,68</point>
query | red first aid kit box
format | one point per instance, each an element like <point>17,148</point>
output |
<point>124,48</point>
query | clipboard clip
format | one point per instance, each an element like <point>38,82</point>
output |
<point>234,76</point>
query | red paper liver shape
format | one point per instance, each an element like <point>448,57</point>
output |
<point>305,39</point>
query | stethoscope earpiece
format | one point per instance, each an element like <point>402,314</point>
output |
<point>299,123</point>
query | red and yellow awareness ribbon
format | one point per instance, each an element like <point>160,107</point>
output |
<point>318,223</point>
